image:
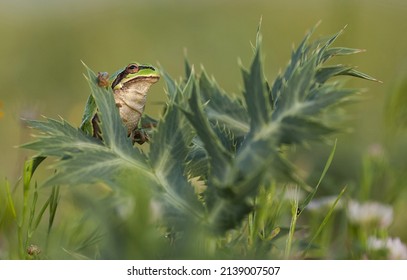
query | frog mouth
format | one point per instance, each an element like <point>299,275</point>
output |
<point>140,84</point>
<point>150,79</point>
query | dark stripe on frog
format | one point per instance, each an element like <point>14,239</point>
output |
<point>146,67</point>
<point>118,78</point>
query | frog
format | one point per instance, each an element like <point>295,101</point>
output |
<point>130,86</point>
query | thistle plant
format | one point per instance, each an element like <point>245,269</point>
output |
<point>215,169</point>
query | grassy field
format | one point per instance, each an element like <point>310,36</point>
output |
<point>41,50</point>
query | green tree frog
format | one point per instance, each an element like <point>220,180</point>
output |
<point>130,87</point>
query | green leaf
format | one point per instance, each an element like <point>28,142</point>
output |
<point>295,90</point>
<point>331,52</point>
<point>221,107</point>
<point>299,129</point>
<point>255,92</point>
<point>89,113</point>
<point>324,97</point>
<point>59,139</point>
<point>219,156</point>
<point>96,165</point>
<point>325,73</point>
<point>325,44</point>
<point>168,152</point>
<point>355,73</point>
<point>197,160</point>
<point>172,87</point>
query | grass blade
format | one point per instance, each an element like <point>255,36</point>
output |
<point>312,194</point>
<point>10,200</point>
<point>325,221</point>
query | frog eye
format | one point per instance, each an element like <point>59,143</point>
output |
<point>132,68</point>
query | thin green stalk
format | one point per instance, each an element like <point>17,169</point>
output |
<point>26,188</point>
<point>294,216</point>
<point>54,199</point>
<point>30,229</point>
<point>10,200</point>
<point>41,213</point>
<point>325,221</point>
<point>252,229</point>
<point>312,194</point>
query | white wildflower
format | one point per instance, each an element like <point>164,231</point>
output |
<point>396,250</point>
<point>124,206</point>
<point>370,214</point>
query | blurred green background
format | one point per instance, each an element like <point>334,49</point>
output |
<point>43,42</point>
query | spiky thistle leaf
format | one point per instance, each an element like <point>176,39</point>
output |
<point>293,111</point>
<point>255,90</point>
<point>168,154</point>
<point>221,107</point>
